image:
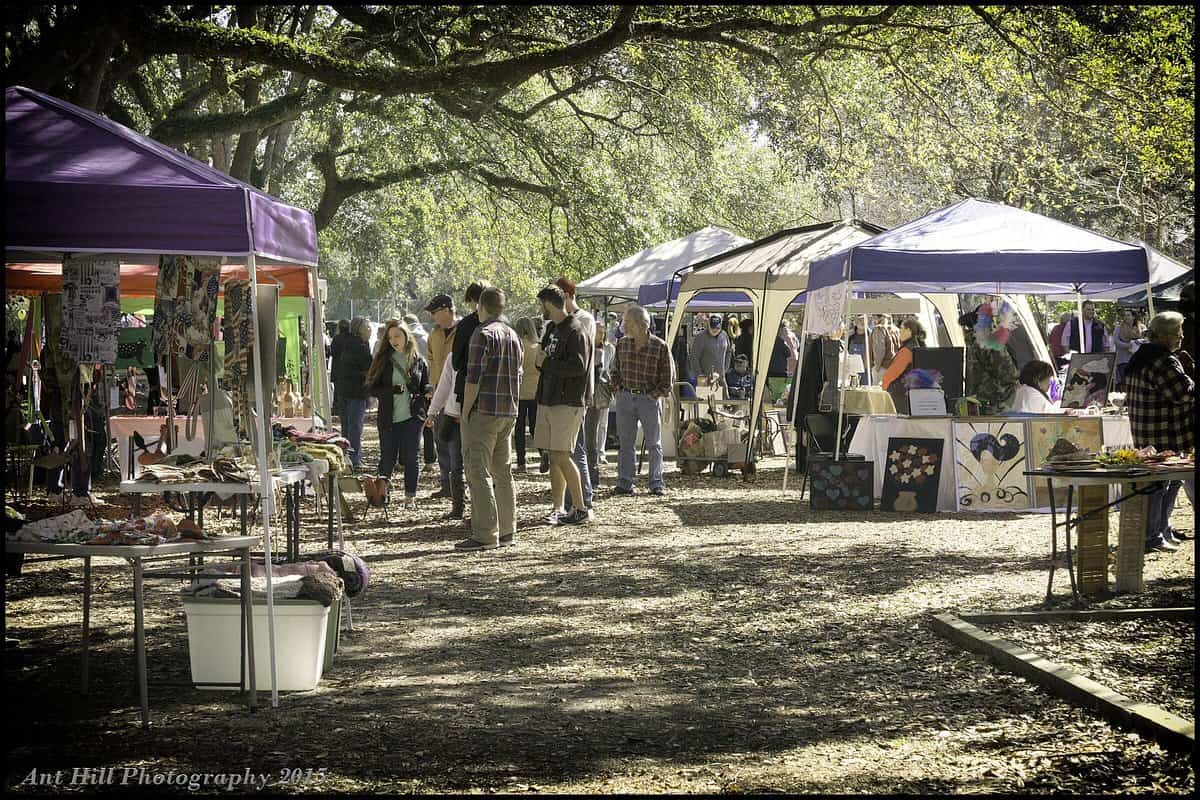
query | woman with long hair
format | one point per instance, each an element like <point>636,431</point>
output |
<point>399,378</point>
<point>912,336</point>
<point>527,330</point>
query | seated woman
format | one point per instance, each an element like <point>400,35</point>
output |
<point>1032,396</point>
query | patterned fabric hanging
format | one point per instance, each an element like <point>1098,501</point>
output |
<point>238,334</point>
<point>185,306</point>
<point>91,308</point>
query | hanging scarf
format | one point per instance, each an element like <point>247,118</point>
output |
<point>91,309</point>
<point>238,334</point>
<point>185,306</point>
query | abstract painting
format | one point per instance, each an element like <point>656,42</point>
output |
<point>989,465</point>
<point>1085,432</point>
<point>841,485</point>
<point>1089,379</point>
<point>91,308</point>
<point>911,474</point>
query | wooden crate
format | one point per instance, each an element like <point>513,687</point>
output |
<point>1091,541</point>
<point>1131,542</point>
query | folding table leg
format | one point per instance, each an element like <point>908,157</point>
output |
<point>87,618</point>
<point>139,636</point>
<point>247,663</point>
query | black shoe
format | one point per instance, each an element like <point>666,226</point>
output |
<point>622,492</point>
<point>1182,535</point>
<point>469,545</point>
<point>577,517</point>
<point>658,491</point>
<point>439,494</point>
<point>505,541</point>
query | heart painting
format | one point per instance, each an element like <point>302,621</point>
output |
<point>841,485</point>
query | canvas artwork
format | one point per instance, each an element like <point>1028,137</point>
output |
<point>841,485</point>
<point>989,465</point>
<point>91,308</point>
<point>911,474</point>
<point>1089,379</point>
<point>1085,432</point>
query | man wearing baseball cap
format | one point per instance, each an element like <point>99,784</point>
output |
<point>441,343</point>
<point>711,350</point>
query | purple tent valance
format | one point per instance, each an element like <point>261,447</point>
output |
<point>76,182</point>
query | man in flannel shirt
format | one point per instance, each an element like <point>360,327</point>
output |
<point>1161,398</point>
<point>489,412</point>
<point>642,374</point>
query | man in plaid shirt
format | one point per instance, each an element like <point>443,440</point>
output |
<point>1161,399</point>
<point>641,375</point>
<point>488,415</point>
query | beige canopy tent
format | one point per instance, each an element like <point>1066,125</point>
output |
<point>620,282</point>
<point>773,271</point>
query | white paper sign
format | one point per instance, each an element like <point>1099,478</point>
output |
<point>927,402</point>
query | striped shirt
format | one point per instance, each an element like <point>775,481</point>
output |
<point>494,363</point>
<point>647,369</point>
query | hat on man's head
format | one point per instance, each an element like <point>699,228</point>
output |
<point>715,318</point>
<point>741,358</point>
<point>439,301</point>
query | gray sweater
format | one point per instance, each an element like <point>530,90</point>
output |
<point>709,354</point>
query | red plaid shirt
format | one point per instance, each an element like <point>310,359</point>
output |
<point>648,369</point>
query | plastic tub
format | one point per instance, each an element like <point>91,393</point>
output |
<point>301,629</point>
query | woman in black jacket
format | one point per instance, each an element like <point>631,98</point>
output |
<point>349,380</point>
<point>399,377</point>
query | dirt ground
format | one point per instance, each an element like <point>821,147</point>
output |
<point>720,639</point>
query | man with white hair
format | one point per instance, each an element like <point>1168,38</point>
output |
<point>642,374</point>
<point>1162,401</point>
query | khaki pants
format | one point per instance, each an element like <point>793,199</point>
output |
<point>485,458</point>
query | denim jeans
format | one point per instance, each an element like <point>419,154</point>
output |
<point>595,431</point>
<point>526,415</point>
<point>449,453</point>
<point>631,410</point>
<point>1158,512</point>
<point>402,441</point>
<point>354,410</point>
<point>579,456</point>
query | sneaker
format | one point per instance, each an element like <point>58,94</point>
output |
<point>470,545</point>
<point>1181,536</point>
<point>410,503</point>
<point>577,517</point>
<point>554,515</point>
<point>505,541</point>
<point>1161,547</point>
<point>658,491</point>
<point>617,490</point>
<point>439,494</point>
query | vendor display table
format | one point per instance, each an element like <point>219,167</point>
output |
<point>1134,486</point>
<point>871,438</point>
<point>123,428</point>
<point>136,556</point>
<point>866,400</point>
<point>289,481</point>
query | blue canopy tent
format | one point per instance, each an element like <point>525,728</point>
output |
<point>1164,293</point>
<point>980,247</point>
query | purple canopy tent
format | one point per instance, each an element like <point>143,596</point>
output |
<point>76,182</point>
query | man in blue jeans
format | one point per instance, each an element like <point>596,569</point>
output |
<point>642,374</point>
<point>1161,398</point>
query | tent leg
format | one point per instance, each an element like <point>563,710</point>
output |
<point>1079,312</point>
<point>266,491</point>
<point>837,434</point>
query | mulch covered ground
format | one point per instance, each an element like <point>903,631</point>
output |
<point>721,638</point>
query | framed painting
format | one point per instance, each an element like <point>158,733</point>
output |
<point>841,485</point>
<point>1085,432</point>
<point>989,465</point>
<point>911,474</point>
<point>1089,379</point>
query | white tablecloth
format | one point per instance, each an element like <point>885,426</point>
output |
<point>871,439</point>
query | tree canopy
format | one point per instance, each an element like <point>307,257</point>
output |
<point>511,143</point>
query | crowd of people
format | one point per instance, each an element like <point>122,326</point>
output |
<point>479,385</point>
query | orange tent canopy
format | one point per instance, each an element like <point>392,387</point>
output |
<point>138,280</point>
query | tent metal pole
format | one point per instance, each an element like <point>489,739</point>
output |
<point>837,434</point>
<point>265,484</point>
<point>867,348</point>
<point>1079,312</point>
<point>796,390</point>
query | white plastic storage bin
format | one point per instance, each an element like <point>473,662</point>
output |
<point>300,630</point>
